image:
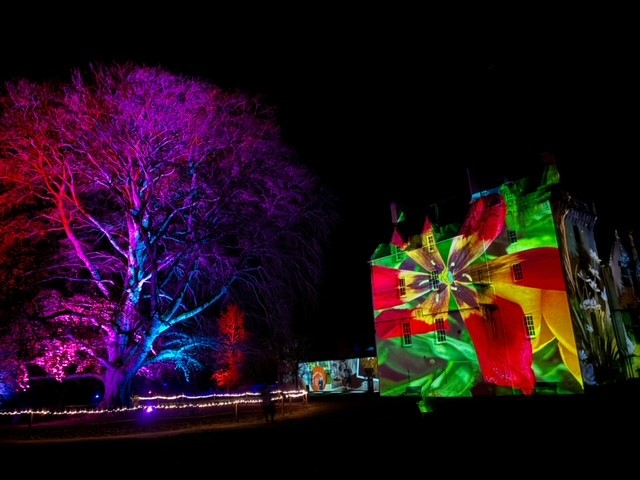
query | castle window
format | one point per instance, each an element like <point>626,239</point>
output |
<point>480,274</point>
<point>625,274</point>
<point>434,280</point>
<point>441,333</point>
<point>528,323</point>
<point>508,196</point>
<point>490,313</point>
<point>431,244</point>
<point>516,271</point>
<point>402,286</point>
<point>396,252</point>
<point>513,236</point>
<point>407,339</point>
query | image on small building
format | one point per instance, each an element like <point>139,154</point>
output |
<point>350,375</point>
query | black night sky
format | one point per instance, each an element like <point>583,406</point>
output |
<point>388,106</point>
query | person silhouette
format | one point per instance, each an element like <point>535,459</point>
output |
<point>268,405</point>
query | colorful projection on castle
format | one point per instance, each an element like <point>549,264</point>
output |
<point>487,311</point>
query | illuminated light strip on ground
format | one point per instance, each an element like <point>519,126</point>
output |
<point>228,399</point>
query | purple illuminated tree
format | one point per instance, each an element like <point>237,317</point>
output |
<point>160,199</point>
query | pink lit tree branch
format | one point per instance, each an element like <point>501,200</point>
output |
<point>160,200</point>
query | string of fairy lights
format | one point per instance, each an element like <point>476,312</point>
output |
<point>154,402</point>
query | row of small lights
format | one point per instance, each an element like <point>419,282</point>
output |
<point>216,400</point>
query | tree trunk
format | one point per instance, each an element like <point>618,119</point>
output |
<point>117,388</point>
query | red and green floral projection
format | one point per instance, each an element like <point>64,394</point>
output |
<point>485,311</point>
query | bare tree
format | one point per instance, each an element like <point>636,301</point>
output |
<point>163,198</point>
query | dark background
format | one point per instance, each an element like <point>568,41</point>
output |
<point>389,105</point>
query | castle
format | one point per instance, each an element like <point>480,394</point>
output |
<point>512,301</point>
